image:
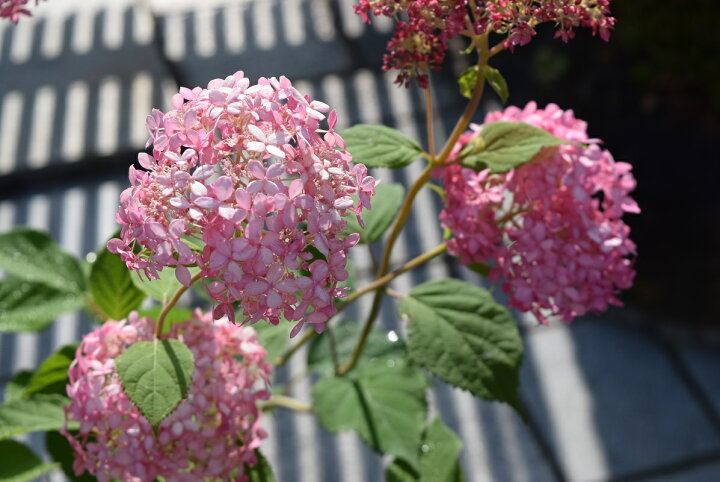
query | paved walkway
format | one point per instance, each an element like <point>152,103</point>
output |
<point>613,397</point>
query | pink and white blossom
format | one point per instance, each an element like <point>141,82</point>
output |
<point>211,434</point>
<point>246,172</point>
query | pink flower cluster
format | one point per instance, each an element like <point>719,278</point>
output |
<point>424,27</point>
<point>12,9</point>
<point>420,43</point>
<point>243,184</point>
<point>551,228</point>
<point>212,433</point>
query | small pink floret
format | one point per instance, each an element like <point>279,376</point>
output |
<point>245,171</point>
<point>213,431</point>
<point>552,228</point>
<point>13,9</point>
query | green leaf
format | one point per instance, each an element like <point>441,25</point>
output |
<point>497,82</point>
<point>39,413</point>
<point>383,400</point>
<point>61,452</point>
<point>346,334</point>
<point>401,471</point>
<point>502,146</point>
<point>33,256</point>
<point>194,243</point>
<point>156,376</point>
<point>467,81</point>
<point>164,287</point>
<point>112,288</point>
<point>385,206</point>
<point>19,463</point>
<point>479,268</point>
<point>15,387</point>
<point>174,316</point>
<point>380,146</point>
<point>439,455</point>
<point>261,471</point>
<point>316,254</point>
<point>31,306</point>
<point>52,375</point>
<point>439,458</point>
<point>459,333</point>
<point>274,338</point>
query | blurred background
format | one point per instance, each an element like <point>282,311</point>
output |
<point>632,394</point>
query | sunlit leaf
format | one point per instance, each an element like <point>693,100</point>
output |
<point>459,333</point>
<point>156,376</point>
<point>383,401</point>
<point>112,288</point>
<point>19,463</point>
<point>31,306</point>
<point>380,146</point>
<point>33,256</point>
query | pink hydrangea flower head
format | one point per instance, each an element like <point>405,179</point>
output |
<point>13,9</point>
<point>243,183</point>
<point>552,228</point>
<point>424,27</point>
<point>211,434</point>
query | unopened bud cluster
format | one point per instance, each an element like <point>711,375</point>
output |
<point>424,27</point>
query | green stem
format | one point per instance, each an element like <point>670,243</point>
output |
<point>390,243</point>
<point>401,219</point>
<point>378,285</point>
<point>471,107</point>
<point>429,123</point>
<point>481,43</point>
<point>171,304</point>
<point>309,335</point>
<point>382,281</point>
<point>286,402</point>
<point>333,348</point>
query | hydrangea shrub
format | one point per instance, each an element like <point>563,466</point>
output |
<point>248,193</point>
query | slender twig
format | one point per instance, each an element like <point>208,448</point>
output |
<point>474,102</point>
<point>309,335</point>
<point>378,287</point>
<point>382,281</point>
<point>373,258</point>
<point>377,284</point>
<point>429,122</point>
<point>171,304</point>
<point>496,49</point>
<point>333,348</point>
<point>481,43</point>
<point>294,381</point>
<point>394,294</point>
<point>286,402</point>
<point>401,219</point>
<point>389,244</point>
<point>382,272</point>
